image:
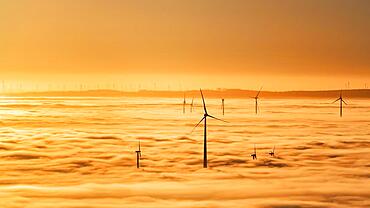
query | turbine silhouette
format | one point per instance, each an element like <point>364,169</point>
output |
<point>341,101</point>
<point>183,105</point>
<point>138,156</point>
<point>205,161</point>
<point>272,153</point>
<point>256,100</point>
<point>223,106</point>
<point>191,105</point>
<point>254,155</point>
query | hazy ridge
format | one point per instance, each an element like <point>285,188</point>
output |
<point>226,93</point>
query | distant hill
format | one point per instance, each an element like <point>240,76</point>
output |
<point>226,93</point>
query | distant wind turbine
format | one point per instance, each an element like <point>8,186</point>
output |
<point>341,101</point>
<point>191,105</point>
<point>272,153</point>
<point>223,106</point>
<point>256,100</point>
<point>205,162</point>
<point>254,155</point>
<point>183,105</point>
<point>138,156</point>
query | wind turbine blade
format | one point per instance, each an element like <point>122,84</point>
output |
<point>197,124</point>
<point>259,92</point>
<point>218,119</point>
<point>335,100</point>
<point>255,151</point>
<point>273,149</point>
<point>344,102</point>
<point>204,103</point>
<point>139,146</point>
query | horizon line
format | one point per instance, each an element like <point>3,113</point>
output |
<point>224,93</point>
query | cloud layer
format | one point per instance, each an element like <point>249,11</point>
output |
<point>80,153</point>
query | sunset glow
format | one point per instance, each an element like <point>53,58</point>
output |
<point>163,44</point>
<point>184,103</point>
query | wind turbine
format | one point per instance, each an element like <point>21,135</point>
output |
<point>272,153</point>
<point>254,155</point>
<point>183,105</point>
<point>256,100</point>
<point>138,156</point>
<point>191,105</point>
<point>205,162</point>
<point>223,106</point>
<point>341,101</point>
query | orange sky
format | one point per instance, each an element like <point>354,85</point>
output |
<point>186,44</point>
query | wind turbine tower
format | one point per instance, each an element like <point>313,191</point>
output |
<point>223,106</point>
<point>205,161</point>
<point>256,100</point>
<point>341,101</point>
<point>183,105</point>
<point>138,156</point>
<point>191,105</point>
